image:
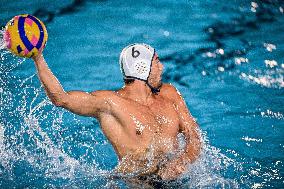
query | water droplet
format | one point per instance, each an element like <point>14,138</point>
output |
<point>240,60</point>
<point>254,4</point>
<point>221,69</point>
<point>209,54</point>
<point>281,10</point>
<point>220,51</point>
<point>210,30</point>
<point>269,47</point>
<point>270,63</point>
<point>256,185</point>
<point>166,33</point>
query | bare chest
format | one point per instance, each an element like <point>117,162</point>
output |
<point>158,119</point>
<point>133,126</point>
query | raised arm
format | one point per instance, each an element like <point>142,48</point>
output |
<point>79,102</point>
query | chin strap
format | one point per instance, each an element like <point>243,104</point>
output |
<point>153,89</point>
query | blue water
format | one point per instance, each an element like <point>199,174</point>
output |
<point>225,57</point>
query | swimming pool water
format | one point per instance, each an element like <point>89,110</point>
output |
<point>225,57</point>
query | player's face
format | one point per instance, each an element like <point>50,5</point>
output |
<point>155,77</point>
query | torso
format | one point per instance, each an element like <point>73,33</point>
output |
<point>137,130</point>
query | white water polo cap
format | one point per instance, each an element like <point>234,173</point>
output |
<point>136,60</point>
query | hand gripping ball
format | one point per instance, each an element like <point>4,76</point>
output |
<point>25,35</point>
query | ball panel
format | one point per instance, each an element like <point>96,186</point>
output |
<point>7,39</point>
<point>41,35</point>
<point>16,44</point>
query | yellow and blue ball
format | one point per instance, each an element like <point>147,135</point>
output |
<point>25,35</point>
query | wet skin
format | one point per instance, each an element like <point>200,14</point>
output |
<point>141,126</point>
<point>138,129</point>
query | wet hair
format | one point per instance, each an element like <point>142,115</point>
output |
<point>128,80</point>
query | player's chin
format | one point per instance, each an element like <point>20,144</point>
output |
<point>159,84</point>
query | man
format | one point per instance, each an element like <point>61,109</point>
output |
<point>141,120</point>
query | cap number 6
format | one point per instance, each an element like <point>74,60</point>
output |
<point>135,53</point>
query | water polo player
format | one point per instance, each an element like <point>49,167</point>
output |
<point>141,120</point>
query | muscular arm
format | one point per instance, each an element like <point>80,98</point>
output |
<point>190,130</point>
<point>82,103</point>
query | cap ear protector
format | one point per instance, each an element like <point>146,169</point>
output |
<point>140,67</point>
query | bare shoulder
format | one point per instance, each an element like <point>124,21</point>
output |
<point>105,95</point>
<point>106,100</point>
<point>169,91</point>
<point>168,87</point>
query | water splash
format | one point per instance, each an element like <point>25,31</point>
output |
<point>267,78</point>
<point>2,41</point>
<point>34,137</point>
<point>209,170</point>
<point>31,132</point>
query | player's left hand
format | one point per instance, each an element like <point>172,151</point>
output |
<point>172,169</point>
